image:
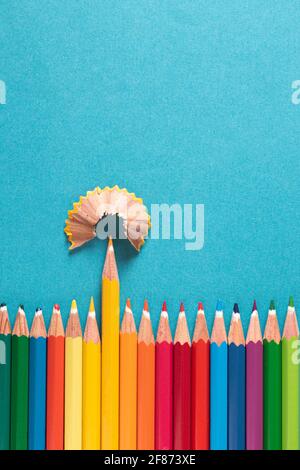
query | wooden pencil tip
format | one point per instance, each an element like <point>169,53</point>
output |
<point>128,303</point>
<point>272,305</point>
<point>146,306</point>
<point>181,307</point>
<point>57,307</point>
<point>164,307</point>
<point>254,308</point>
<point>236,308</point>
<point>291,302</point>
<point>74,306</point>
<point>200,306</point>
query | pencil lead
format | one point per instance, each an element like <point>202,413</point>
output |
<point>254,308</point>
<point>200,306</point>
<point>164,307</point>
<point>21,306</point>
<point>146,306</point>
<point>74,306</point>
<point>2,305</point>
<point>38,310</point>
<point>57,307</point>
<point>236,308</point>
<point>272,305</point>
<point>291,302</point>
<point>92,305</point>
<point>128,303</point>
<point>219,307</point>
<point>182,308</point>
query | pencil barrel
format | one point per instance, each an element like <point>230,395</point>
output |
<point>146,397</point>
<point>91,411</point>
<point>182,397</point>
<point>73,394</point>
<point>110,365</point>
<point>5,377</point>
<point>272,395</point>
<point>218,396</point>
<point>128,391</point>
<point>55,392</point>
<point>37,394</point>
<point>236,397</point>
<point>254,396</point>
<point>19,392</point>
<point>200,395</point>
<point>163,396</point>
<point>290,394</point>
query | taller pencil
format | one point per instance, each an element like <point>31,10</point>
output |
<point>5,365</point>
<point>19,382</point>
<point>290,381</point>
<point>236,383</point>
<point>73,382</point>
<point>110,352</point>
<point>218,383</point>
<point>272,382</point>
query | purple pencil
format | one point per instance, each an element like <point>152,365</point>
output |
<point>254,384</point>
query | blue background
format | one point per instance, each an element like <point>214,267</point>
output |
<point>180,102</point>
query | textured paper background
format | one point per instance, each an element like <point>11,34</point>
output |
<point>179,101</point>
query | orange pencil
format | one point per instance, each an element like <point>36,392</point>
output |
<point>55,382</point>
<point>128,381</point>
<point>146,383</point>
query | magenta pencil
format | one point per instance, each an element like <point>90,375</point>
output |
<point>164,384</point>
<point>254,384</point>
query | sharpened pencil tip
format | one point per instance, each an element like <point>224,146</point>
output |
<point>3,305</point>
<point>146,306</point>
<point>272,305</point>
<point>74,305</point>
<point>254,306</point>
<point>164,307</point>
<point>56,307</point>
<point>181,307</point>
<point>200,306</point>
<point>128,303</point>
<point>92,305</point>
<point>236,308</point>
<point>21,306</point>
<point>291,301</point>
<point>219,307</point>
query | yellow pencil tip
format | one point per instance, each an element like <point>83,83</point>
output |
<point>74,305</point>
<point>92,305</point>
<point>110,243</point>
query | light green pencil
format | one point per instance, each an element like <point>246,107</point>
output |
<point>290,380</point>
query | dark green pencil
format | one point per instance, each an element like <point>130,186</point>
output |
<point>272,382</point>
<point>5,364</point>
<point>19,382</point>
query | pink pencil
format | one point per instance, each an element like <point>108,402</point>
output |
<point>164,384</point>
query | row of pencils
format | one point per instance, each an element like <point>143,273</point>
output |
<point>213,393</point>
<point>65,390</point>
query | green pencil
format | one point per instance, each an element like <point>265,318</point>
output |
<point>5,363</point>
<point>290,381</point>
<point>19,382</point>
<point>272,382</point>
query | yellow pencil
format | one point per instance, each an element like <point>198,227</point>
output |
<point>110,352</point>
<point>73,382</point>
<point>91,373</point>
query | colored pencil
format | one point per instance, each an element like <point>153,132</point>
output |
<point>236,383</point>
<point>290,381</point>
<point>164,384</point>
<point>128,381</point>
<point>182,385</point>
<point>218,383</point>
<point>145,383</point>
<point>272,382</point>
<point>73,381</point>
<point>19,382</point>
<point>91,377</point>
<point>55,382</point>
<point>200,383</point>
<point>5,370</point>
<point>37,383</point>
<point>110,352</point>
<point>254,384</point>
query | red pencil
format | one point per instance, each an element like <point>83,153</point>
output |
<point>55,382</point>
<point>200,384</point>
<point>182,385</point>
<point>164,384</point>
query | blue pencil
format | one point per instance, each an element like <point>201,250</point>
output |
<point>236,384</point>
<point>218,383</point>
<point>37,384</point>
